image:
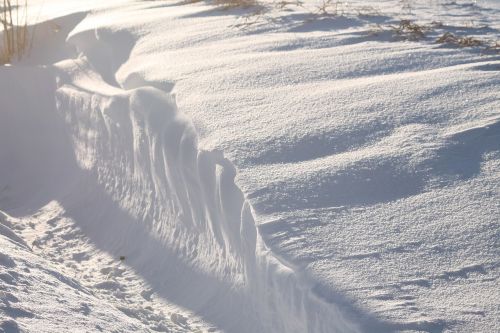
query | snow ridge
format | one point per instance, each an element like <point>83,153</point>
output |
<point>142,189</point>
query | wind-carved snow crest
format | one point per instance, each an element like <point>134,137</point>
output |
<point>145,191</point>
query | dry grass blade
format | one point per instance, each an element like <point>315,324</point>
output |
<point>449,38</point>
<point>331,7</point>
<point>495,46</point>
<point>409,30</point>
<point>282,4</point>
<point>236,3</point>
<point>14,23</point>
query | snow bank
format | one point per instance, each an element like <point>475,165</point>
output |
<point>345,145</point>
<point>369,163</point>
<point>125,166</point>
<point>176,214</point>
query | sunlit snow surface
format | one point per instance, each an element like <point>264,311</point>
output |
<point>164,132</point>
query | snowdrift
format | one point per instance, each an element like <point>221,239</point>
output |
<point>125,166</point>
<point>310,175</point>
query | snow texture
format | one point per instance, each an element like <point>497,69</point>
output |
<point>180,168</point>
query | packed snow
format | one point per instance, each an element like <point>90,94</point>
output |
<point>280,167</point>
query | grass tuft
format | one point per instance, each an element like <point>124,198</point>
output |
<point>14,23</point>
<point>235,3</point>
<point>228,4</point>
<point>331,7</point>
<point>449,38</point>
<point>409,30</point>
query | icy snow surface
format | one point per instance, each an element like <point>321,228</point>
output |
<point>186,167</point>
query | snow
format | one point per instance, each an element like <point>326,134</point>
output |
<point>34,294</point>
<point>183,168</point>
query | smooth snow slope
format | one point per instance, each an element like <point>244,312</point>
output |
<point>371,164</point>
